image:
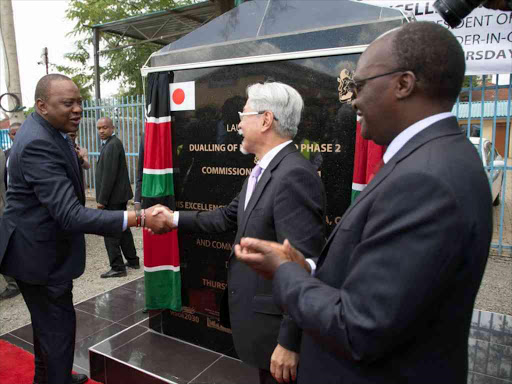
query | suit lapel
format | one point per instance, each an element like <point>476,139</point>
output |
<point>260,187</point>
<point>104,146</point>
<point>445,127</point>
<point>64,147</point>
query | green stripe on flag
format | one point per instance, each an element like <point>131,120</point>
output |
<point>162,284</point>
<point>154,185</point>
<point>356,190</point>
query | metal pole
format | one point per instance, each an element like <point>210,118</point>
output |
<point>96,47</point>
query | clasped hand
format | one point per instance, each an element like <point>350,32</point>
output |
<point>266,256</point>
<point>159,219</point>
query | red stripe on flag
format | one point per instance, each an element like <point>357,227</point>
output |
<point>360,154</point>
<point>367,158</point>
<point>161,249</point>
<point>158,146</point>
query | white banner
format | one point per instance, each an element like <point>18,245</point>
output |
<point>485,34</point>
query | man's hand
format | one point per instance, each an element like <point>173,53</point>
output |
<point>100,206</point>
<point>158,223</point>
<point>266,256</point>
<point>283,364</point>
<point>168,213</point>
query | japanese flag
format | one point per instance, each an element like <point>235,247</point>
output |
<point>183,96</point>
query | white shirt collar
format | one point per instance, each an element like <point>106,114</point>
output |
<point>408,133</point>
<point>269,156</point>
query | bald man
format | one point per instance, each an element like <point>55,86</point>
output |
<point>113,190</point>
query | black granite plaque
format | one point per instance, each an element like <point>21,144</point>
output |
<point>211,171</point>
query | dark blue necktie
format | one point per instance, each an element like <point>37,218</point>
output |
<point>72,149</point>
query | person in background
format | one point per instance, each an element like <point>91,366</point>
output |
<point>83,155</point>
<point>113,190</point>
<point>12,289</point>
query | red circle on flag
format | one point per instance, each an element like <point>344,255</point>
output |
<point>178,96</point>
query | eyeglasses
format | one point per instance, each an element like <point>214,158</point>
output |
<point>355,86</point>
<point>242,114</point>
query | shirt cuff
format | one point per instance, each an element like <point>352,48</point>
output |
<point>312,265</point>
<point>175,218</point>
<point>125,221</point>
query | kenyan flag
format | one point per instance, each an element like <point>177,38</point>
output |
<point>161,254</point>
<point>367,158</point>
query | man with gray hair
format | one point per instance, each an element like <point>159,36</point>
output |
<point>282,199</point>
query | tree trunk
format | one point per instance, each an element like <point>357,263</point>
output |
<point>12,72</point>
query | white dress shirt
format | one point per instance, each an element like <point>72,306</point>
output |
<point>408,133</point>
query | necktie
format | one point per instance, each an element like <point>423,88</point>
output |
<point>72,149</point>
<point>253,179</point>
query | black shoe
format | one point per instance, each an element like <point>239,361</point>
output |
<point>78,378</point>
<point>132,266</point>
<point>9,293</point>
<point>113,273</point>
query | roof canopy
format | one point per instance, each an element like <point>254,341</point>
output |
<point>161,27</point>
<point>269,27</point>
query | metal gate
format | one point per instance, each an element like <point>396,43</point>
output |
<point>483,113</point>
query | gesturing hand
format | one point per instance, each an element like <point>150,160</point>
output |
<point>266,256</point>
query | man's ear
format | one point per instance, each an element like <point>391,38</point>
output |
<point>41,106</point>
<point>405,85</point>
<point>267,121</point>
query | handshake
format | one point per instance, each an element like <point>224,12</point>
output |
<point>158,219</point>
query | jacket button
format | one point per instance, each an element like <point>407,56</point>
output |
<point>233,292</point>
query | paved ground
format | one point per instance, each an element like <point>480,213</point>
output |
<point>495,293</point>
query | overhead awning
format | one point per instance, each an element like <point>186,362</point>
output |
<point>163,27</point>
<point>265,30</point>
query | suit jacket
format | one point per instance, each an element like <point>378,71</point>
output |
<point>42,230</point>
<point>288,202</point>
<point>394,289</point>
<point>3,171</point>
<point>112,180</point>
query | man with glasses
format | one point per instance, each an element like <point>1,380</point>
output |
<point>392,296</point>
<point>282,199</point>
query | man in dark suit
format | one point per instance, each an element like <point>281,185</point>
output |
<point>113,190</point>
<point>137,199</point>
<point>287,201</point>
<point>393,293</point>
<point>12,289</point>
<point>42,230</point>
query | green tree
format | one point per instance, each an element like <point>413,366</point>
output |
<point>476,81</point>
<point>123,64</point>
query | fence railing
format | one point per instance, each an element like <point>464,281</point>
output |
<point>128,116</point>
<point>484,112</point>
<point>5,141</point>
